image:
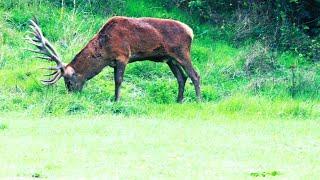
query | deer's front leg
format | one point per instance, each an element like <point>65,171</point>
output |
<point>118,78</point>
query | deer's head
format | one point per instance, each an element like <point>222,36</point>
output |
<point>74,81</point>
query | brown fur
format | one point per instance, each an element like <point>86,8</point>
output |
<point>123,40</point>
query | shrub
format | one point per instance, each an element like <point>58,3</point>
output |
<point>259,59</point>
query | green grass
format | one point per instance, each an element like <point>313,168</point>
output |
<point>148,147</point>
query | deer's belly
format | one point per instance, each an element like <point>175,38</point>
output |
<point>158,55</point>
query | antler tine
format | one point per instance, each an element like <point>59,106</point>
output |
<point>30,39</point>
<point>42,57</point>
<point>34,51</point>
<point>34,26</point>
<point>33,34</point>
<point>51,68</point>
<point>52,80</point>
<point>35,44</point>
<point>51,74</point>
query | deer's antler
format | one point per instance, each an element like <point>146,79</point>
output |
<point>46,52</point>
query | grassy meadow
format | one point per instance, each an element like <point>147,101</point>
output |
<point>119,147</point>
<point>248,124</point>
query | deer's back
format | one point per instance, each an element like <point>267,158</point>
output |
<point>143,35</point>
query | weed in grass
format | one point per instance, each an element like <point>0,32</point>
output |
<point>209,93</point>
<point>232,105</point>
<point>162,92</point>
<point>76,108</point>
<point>36,175</point>
<point>126,109</point>
<point>265,174</point>
<point>297,110</point>
<point>3,126</point>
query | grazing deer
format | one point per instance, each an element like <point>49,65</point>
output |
<point>123,40</point>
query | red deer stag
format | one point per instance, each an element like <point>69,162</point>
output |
<point>123,40</point>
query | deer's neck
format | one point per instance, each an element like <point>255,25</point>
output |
<point>88,64</point>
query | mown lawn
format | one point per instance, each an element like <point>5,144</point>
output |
<point>137,147</point>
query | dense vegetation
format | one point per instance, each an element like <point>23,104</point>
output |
<point>234,51</point>
<point>286,25</point>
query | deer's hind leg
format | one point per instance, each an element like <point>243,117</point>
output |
<point>181,78</point>
<point>185,61</point>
